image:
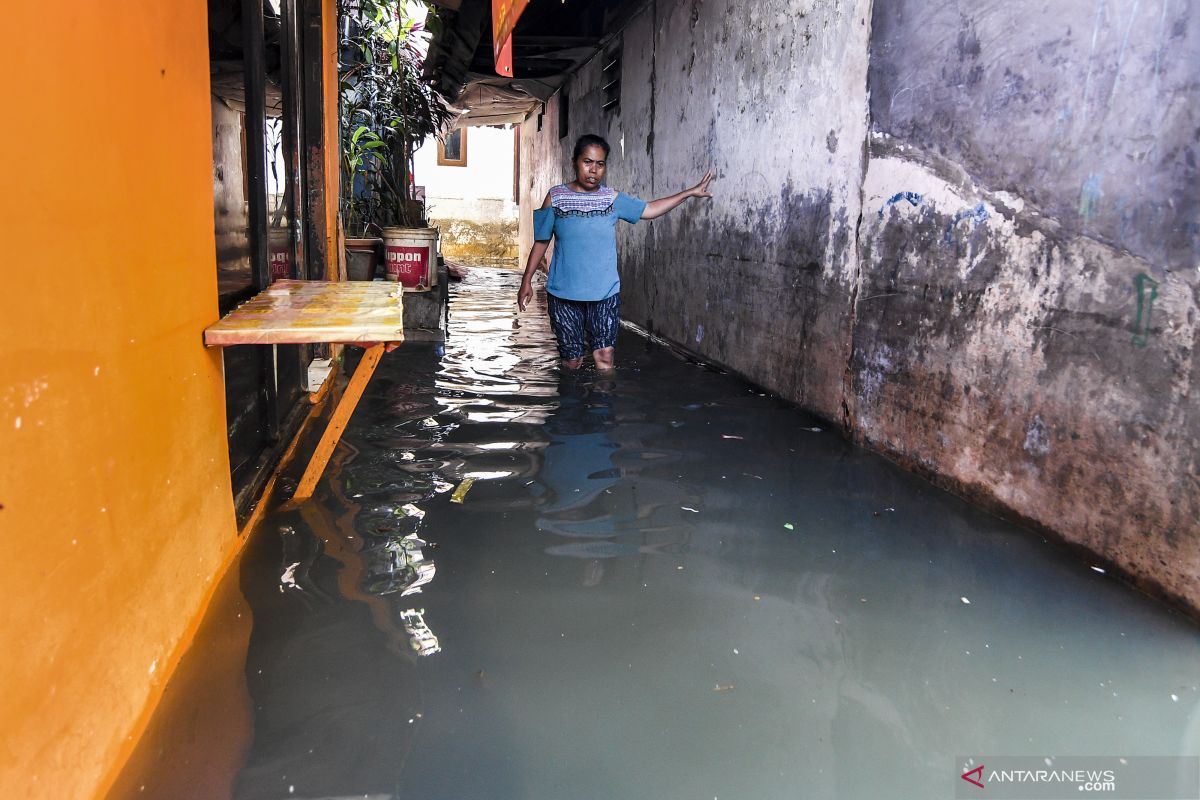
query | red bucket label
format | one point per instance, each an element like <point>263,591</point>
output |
<point>409,265</point>
<point>281,266</point>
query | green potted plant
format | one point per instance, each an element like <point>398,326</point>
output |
<point>387,109</point>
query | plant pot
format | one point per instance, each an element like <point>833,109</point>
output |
<point>362,258</point>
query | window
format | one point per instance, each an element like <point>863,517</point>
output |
<point>452,152</point>
<point>564,114</point>
<point>610,80</point>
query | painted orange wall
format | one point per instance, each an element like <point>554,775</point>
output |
<point>114,475</point>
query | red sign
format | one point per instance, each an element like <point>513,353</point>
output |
<point>504,18</point>
<point>408,265</point>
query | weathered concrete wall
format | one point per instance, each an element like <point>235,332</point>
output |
<point>726,81</point>
<point>1026,323</point>
<point>967,234</point>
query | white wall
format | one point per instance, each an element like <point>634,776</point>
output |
<point>481,191</point>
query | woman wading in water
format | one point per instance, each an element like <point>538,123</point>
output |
<point>583,290</point>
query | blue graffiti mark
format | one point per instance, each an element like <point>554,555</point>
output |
<point>912,197</point>
<point>976,215</point>
<point>1089,197</point>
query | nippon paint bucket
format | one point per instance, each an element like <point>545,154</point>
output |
<point>279,253</point>
<point>410,257</point>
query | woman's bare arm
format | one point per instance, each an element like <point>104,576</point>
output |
<point>656,208</point>
<point>536,254</point>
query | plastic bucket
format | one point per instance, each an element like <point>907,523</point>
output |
<point>410,256</point>
<point>279,253</point>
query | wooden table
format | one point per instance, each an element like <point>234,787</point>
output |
<point>366,313</point>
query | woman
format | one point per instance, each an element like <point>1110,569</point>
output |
<point>583,290</point>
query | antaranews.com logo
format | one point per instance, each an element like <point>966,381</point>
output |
<point>1062,777</point>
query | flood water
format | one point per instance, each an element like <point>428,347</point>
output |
<point>664,584</point>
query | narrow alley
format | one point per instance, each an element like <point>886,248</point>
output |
<point>666,585</point>
<point>317,482</point>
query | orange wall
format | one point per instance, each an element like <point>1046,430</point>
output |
<point>114,475</point>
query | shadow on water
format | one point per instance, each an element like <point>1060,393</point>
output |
<point>663,584</point>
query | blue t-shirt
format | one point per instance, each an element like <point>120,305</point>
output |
<point>583,224</point>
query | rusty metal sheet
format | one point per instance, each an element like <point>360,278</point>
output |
<point>301,312</point>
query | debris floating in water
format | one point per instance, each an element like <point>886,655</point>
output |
<point>460,493</point>
<point>789,526</point>
<point>410,510</point>
<point>689,508</point>
<point>723,687</point>
<point>1098,569</point>
<point>813,429</point>
<point>965,601</point>
<point>731,436</point>
<point>288,579</point>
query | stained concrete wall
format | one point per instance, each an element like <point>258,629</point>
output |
<point>965,234</point>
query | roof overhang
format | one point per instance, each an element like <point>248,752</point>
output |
<point>551,40</point>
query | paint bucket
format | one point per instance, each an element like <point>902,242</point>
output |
<point>411,257</point>
<point>279,253</point>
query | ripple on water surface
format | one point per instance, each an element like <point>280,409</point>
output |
<point>664,584</point>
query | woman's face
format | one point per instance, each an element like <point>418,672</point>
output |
<point>590,166</point>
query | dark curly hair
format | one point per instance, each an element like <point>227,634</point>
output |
<point>587,140</point>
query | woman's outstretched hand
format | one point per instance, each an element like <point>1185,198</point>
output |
<point>524,295</point>
<point>656,208</point>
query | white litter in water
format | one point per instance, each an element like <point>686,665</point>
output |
<point>736,653</point>
<point>288,578</point>
<point>688,508</point>
<point>1174,698</point>
<point>965,600</point>
<point>1098,569</point>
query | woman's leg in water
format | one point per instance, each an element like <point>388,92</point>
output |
<point>568,319</point>
<point>603,323</point>
<point>604,358</point>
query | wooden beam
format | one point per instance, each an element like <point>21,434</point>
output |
<point>337,422</point>
<point>313,103</point>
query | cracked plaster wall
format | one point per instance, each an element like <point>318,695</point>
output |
<point>965,233</point>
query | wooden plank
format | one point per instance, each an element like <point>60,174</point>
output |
<point>312,83</point>
<point>337,422</point>
<point>299,312</point>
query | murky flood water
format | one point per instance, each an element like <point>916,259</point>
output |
<point>664,585</point>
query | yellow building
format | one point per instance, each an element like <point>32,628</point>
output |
<point>131,128</point>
